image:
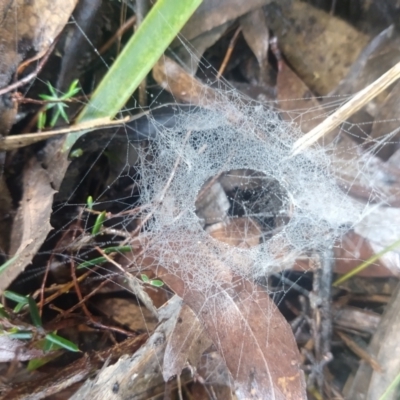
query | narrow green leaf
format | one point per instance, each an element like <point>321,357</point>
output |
<point>145,278</point>
<point>47,97</point>
<point>52,90</point>
<point>366,263</point>
<point>62,342</point>
<point>144,49</point>
<point>156,283</point>
<point>34,312</point>
<point>18,298</point>
<point>41,123</point>
<point>48,346</point>
<point>99,223</point>
<point>89,202</point>
<point>19,307</point>
<point>55,117</point>
<point>61,109</point>
<point>92,263</point>
<point>24,335</point>
<point>36,363</point>
<point>3,312</point>
<point>118,249</point>
<point>9,262</point>
<point>394,384</point>
<point>76,153</point>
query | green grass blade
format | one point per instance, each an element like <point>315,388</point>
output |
<point>98,223</point>
<point>366,263</point>
<point>395,383</point>
<point>92,263</point>
<point>34,312</point>
<point>62,342</point>
<point>18,298</point>
<point>146,46</point>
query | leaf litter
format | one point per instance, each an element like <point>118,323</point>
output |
<point>252,337</point>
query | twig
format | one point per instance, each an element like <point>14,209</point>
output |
<point>178,378</point>
<point>353,105</point>
<point>122,29</point>
<point>17,141</point>
<point>320,301</point>
<point>360,352</point>
<point>228,53</point>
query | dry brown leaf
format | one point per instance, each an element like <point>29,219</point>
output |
<point>246,327</point>
<point>386,123</point>
<point>172,77</point>
<point>252,336</point>
<point>138,376</point>
<point>27,26</point>
<point>353,250</point>
<point>296,102</point>
<point>256,34</point>
<point>240,232</point>
<point>31,223</point>
<point>127,313</point>
<point>187,343</point>
<point>213,13</point>
<point>77,371</point>
<point>319,46</point>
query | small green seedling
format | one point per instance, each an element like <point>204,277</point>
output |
<point>18,298</point>
<point>76,153</point>
<point>51,339</point>
<point>99,223</point>
<point>101,260</point>
<point>58,102</point>
<point>89,203</point>
<point>152,282</point>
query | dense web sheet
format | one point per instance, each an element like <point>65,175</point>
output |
<point>312,210</point>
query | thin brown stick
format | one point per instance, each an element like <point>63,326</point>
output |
<point>228,53</point>
<point>363,354</point>
<point>344,112</point>
<point>122,29</point>
<point>78,290</point>
<point>178,379</point>
<point>17,141</point>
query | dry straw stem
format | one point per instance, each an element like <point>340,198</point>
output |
<point>348,109</point>
<point>16,141</point>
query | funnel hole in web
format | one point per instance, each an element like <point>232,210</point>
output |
<point>242,207</point>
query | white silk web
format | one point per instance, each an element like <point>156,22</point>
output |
<point>217,185</point>
<point>298,200</point>
<point>210,193</point>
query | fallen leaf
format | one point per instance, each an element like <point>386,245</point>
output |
<point>187,343</point>
<point>252,336</point>
<point>319,46</point>
<point>256,34</point>
<point>28,26</point>
<point>297,104</point>
<point>31,224</point>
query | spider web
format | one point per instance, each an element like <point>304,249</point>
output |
<point>208,193</point>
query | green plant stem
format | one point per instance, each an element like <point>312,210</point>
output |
<point>366,263</point>
<point>146,46</point>
<point>392,386</point>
